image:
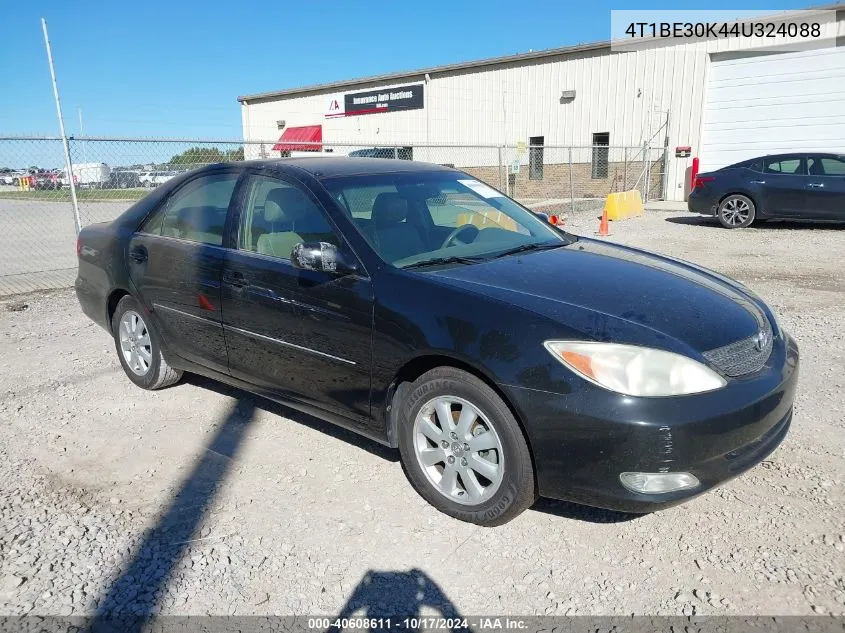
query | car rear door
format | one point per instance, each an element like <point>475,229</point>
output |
<point>300,334</point>
<point>782,185</point>
<point>825,197</point>
<point>175,263</point>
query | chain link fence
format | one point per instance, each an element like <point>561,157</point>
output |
<point>37,227</point>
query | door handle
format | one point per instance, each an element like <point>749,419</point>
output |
<point>816,185</point>
<point>234,278</point>
<point>138,254</point>
<point>758,182</point>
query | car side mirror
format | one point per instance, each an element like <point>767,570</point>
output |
<point>322,257</point>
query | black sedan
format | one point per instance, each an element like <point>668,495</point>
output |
<point>504,358</point>
<point>798,186</point>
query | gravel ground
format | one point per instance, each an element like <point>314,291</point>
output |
<point>203,499</point>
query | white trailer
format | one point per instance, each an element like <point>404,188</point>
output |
<point>93,175</point>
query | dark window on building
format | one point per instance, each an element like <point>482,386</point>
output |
<point>601,141</point>
<point>535,157</point>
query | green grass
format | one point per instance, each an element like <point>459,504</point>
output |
<point>86,195</point>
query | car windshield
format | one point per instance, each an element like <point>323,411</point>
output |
<point>443,217</point>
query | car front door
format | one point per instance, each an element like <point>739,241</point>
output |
<point>825,198</point>
<point>782,185</point>
<point>303,335</point>
<point>175,263</point>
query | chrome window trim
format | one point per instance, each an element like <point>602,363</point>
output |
<point>180,240</point>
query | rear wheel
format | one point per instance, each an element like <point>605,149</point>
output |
<point>138,348</point>
<point>736,211</point>
<point>463,450</point>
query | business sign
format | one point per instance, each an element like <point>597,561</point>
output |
<point>376,101</point>
<point>335,106</point>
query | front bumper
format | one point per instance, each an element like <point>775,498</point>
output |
<point>583,440</point>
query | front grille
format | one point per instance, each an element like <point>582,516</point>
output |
<point>744,356</point>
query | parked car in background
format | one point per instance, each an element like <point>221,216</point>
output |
<point>123,179</point>
<point>402,153</point>
<point>46,180</point>
<point>503,357</point>
<point>15,177</point>
<point>155,178</point>
<point>795,186</point>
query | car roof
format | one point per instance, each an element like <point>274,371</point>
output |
<point>798,153</point>
<point>329,167</point>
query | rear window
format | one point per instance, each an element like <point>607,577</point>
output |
<point>783,165</point>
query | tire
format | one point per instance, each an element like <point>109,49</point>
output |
<point>148,369</point>
<point>736,211</point>
<point>505,457</point>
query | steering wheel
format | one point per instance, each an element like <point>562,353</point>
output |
<point>464,228</point>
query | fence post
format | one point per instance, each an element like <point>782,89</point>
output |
<point>647,151</point>
<point>501,182</point>
<point>625,170</point>
<point>571,189</point>
<point>68,165</point>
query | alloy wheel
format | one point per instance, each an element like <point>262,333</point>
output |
<point>458,449</point>
<point>735,211</point>
<point>135,344</point>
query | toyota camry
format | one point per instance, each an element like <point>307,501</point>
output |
<point>503,357</point>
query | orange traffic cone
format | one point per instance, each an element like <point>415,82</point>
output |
<point>603,228</point>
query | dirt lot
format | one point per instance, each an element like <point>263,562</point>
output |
<point>203,499</point>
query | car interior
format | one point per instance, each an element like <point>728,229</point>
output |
<point>196,223</point>
<point>403,223</point>
<point>286,218</point>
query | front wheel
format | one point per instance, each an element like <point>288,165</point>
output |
<point>138,348</point>
<point>463,450</point>
<point>736,211</point>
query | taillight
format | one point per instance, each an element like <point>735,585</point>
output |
<point>78,245</point>
<point>700,181</point>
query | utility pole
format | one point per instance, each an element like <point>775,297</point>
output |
<point>65,145</point>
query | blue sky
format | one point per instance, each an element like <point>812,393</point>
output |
<point>174,69</point>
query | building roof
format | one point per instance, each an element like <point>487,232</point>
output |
<point>328,166</point>
<point>391,77</point>
<point>491,61</point>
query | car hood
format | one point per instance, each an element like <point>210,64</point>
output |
<point>575,284</point>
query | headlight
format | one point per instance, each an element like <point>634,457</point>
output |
<point>635,371</point>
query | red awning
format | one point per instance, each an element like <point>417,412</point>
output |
<point>300,139</point>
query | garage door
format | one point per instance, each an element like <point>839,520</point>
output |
<point>773,103</point>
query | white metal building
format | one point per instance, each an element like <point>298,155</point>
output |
<point>727,99</point>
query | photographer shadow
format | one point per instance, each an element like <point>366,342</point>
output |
<point>401,597</point>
